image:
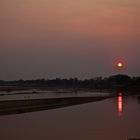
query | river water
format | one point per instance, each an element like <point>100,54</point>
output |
<point>110,119</point>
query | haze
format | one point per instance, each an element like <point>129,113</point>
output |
<point>63,38</point>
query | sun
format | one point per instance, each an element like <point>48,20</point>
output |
<point>119,64</point>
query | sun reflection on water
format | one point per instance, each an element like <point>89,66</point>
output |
<point>120,104</point>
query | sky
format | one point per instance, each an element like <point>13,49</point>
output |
<point>68,38</point>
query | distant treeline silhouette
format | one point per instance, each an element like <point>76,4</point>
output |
<point>112,82</point>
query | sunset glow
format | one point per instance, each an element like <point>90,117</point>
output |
<point>68,38</point>
<point>70,69</point>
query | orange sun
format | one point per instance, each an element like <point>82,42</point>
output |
<point>120,64</point>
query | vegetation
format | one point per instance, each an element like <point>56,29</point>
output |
<point>115,82</point>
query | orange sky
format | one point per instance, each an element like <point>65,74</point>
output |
<point>62,38</point>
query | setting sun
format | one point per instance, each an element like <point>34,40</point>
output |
<point>119,64</point>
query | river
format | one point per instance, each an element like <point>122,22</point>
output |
<point>114,118</point>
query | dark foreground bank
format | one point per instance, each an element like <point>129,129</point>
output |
<point>23,106</point>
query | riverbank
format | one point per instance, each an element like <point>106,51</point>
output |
<point>23,106</point>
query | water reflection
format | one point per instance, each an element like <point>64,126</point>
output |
<point>120,104</point>
<point>92,121</point>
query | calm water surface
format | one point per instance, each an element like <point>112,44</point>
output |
<point>111,119</point>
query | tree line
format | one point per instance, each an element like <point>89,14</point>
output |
<point>111,82</point>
